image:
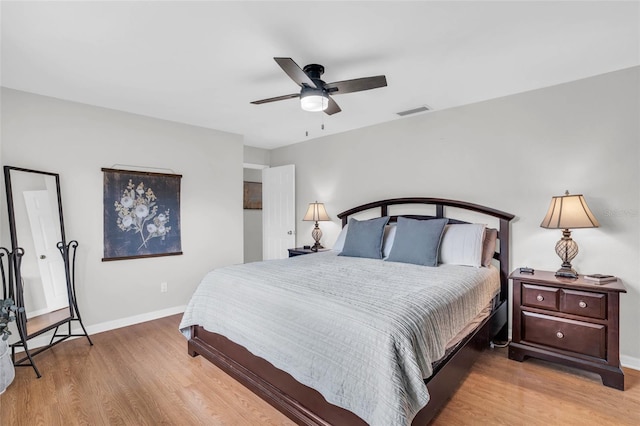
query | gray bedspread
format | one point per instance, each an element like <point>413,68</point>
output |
<point>362,332</point>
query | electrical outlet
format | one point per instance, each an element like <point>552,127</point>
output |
<point>163,287</point>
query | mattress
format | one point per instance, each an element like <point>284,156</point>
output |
<point>362,332</point>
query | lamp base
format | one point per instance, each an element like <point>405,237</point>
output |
<point>566,273</point>
<point>567,250</point>
<point>316,234</point>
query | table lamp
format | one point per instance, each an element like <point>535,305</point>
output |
<point>316,212</point>
<point>568,212</point>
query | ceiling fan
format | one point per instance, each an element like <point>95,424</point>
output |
<point>315,93</point>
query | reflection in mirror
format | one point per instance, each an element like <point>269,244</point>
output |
<point>38,228</point>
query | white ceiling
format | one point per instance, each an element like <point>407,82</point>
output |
<point>201,63</point>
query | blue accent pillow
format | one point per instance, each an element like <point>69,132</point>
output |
<point>417,241</point>
<point>364,238</point>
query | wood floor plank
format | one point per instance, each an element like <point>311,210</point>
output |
<point>142,375</point>
<point>499,391</point>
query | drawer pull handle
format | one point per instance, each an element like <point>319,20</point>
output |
<point>582,304</point>
<point>539,298</point>
<point>559,334</point>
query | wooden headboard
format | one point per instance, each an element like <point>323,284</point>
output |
<point>502,256</point>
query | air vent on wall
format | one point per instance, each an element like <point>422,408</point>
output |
<point>413,111</point>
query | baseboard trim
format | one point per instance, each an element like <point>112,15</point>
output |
<point>43,340</point>
<point>630,362</point>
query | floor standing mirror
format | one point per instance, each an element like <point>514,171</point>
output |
<point>42,271</point>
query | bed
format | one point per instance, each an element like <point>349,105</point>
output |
<point>297,332</point>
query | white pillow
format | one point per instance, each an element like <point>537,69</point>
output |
<point>387,242</point>
<point>339,244</point>
<point>462,244</point>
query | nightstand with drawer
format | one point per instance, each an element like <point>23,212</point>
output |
<point>569,321</point>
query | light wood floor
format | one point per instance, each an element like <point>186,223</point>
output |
<point>142,375</point>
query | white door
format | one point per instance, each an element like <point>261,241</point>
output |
<point>45,230</point>
<point>278,211</point>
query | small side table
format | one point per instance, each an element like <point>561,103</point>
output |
<point>569,321</point>
<point>299,251</point>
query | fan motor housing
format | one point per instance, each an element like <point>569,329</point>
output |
<point>314,71</point>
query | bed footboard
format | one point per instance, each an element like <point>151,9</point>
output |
<point>308,407</point>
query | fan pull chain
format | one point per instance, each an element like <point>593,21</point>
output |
<point>306,133</point>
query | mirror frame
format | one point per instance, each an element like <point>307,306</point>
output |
<point>62,245</point>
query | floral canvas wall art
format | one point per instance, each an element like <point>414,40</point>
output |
<point>141,214</point>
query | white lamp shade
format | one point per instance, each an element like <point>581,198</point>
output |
<point>569,212</point>
<point>316,212</point>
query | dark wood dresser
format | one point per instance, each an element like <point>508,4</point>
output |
<point>569,321</point>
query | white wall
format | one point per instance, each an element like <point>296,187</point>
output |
<point>76,141</point>
<point>256,156</point>
<point>252,223</point>
<point>513,154</point>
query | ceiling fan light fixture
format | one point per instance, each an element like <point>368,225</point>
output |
<point>316,95</point>
<point>314,100</point>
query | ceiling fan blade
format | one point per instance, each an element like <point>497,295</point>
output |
<point>356,85</point>
<point>277,98</point>
<point>332,108</point>
<point>294,72</point>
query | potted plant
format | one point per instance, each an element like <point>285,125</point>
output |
<point>7,370</point>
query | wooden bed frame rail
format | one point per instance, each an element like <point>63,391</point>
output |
<point>308,407</point>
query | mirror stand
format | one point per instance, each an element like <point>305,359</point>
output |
<point>30,328</point>
<point>42,263</point>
